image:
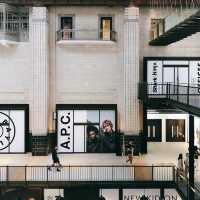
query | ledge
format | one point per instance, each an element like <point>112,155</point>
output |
<point>7,43</point>
<point>86,43</point>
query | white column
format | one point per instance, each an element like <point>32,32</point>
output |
<point>131,70</point>
<point>39,40</point>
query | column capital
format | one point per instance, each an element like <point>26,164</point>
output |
<point>132,13</point>
<point>39,13</point>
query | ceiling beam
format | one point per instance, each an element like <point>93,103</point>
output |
<point>67,2</point>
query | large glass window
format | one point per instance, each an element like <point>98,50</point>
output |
<point>91,131</point>
<point>12,130</point>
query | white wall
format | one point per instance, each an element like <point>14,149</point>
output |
<point>15,70</point>
<point>84,72</point>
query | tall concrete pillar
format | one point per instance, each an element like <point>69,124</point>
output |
<point>131,71</point>
<point>40,71</point>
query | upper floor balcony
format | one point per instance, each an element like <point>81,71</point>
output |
<point>86,36</point>
<point>14,24</point>
<point>185,97</point>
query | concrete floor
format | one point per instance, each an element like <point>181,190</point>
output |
<point>158,154</point>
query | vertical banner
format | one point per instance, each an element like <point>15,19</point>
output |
<point>91,131</point>
<point>195,74</point>
<point>154,75</point>
<point>12,131</point>
<point>65,131</point>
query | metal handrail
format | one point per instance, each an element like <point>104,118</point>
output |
<point>84,34</point>
<point>87,173</point>
<point>185,94</point>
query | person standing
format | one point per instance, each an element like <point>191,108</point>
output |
<point>180,164</point>
<point>130,152</point>
<point>56,161</point>
<point>186,163</point>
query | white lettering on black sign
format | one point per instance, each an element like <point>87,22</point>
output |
<point>65,131</point>
<point>198,77</point>
<point>154,75</point>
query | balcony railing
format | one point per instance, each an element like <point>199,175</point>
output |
<point>14,23</point>
<point>72,34</point>
<point>26,174</point>
<point>184,94</point>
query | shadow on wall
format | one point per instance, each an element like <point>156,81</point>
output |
<point>23,194</point>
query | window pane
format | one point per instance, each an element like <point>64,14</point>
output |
<point>106,28</point>
<point>79,138</point>
<point>67,26</point>
<point>86,116</point>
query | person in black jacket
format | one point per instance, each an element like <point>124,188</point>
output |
<point>56,161</point>
<point>93,142</point>
<point>107,137</point>
<point>130,149</point>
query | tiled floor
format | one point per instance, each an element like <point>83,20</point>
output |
<point>158,153</point>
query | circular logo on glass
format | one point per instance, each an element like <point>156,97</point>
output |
<point>7,131</point>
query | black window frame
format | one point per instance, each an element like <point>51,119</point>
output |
<point>72,34</point>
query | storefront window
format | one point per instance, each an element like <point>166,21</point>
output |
<point>91,131</point>
<point>12,131</point>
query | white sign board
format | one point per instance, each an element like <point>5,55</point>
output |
<point>12,131</point>
<point>154,74</point>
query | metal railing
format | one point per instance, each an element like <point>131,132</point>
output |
<point>86,173</point>
<point>84,34</point>
<point>185,94</point>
